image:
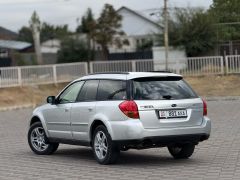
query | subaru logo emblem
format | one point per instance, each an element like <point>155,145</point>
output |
<point>174,105</point>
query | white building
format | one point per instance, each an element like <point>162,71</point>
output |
<point>139,28</point>
<point>51,46</point>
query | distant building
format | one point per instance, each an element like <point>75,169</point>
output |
<point>8,48</point>
<point>139,28</point>
<point>6,34</point>
<point>51,46</point>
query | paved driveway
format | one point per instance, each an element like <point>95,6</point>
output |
<point>217,158</point>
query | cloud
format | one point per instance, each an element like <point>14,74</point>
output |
<point>16,13</point>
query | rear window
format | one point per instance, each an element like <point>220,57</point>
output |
<point>111,90</point>
<point>162,88</point>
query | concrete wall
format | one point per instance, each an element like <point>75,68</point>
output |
<point>177,58</point>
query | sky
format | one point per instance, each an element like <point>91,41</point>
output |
<point>16,13</point>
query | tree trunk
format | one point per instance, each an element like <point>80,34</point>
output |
<point>105,52</point>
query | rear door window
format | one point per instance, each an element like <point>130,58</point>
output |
<point>162,88</point>
<point>111,90</point>
<point>88,91</point>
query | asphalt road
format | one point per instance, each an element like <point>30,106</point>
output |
<point>217,158</point>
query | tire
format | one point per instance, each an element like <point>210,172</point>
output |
<point>183,151</point>
<point>38,141</point>
<point>104,149</point>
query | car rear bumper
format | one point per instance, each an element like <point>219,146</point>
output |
<point>134,130</point>
<point>162,141</point>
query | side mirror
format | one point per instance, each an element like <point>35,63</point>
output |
<point>51,100</point>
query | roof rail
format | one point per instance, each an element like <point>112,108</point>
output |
<point>160,71</point>
<point>110,73</point>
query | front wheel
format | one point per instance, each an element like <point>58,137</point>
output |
<point>183,151</point>
<point>38,142</point>
<point>105,150</point>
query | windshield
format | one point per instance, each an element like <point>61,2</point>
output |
<point>166,88</point>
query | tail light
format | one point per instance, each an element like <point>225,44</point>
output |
<point>130,109</point>
<point>204,108</point>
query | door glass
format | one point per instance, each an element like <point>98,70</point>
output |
<point>167,88</point>
<point>111,90</point>
<point>88,91</point>
<point>71,93</point>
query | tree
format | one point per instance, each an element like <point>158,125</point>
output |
<point>72,50</point>
<point>225,12</point>
<point>88,25</point>
<point>108,31</point>
<point>49,31</point>
<point>25,34</point>
<point>193,29</point>
<point>35,25</point>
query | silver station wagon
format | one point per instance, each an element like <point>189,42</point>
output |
<point>113,112</point>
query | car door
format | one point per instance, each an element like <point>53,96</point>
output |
<point>58,115</point>
<point>83,110</point>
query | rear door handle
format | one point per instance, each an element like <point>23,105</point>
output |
<point>66,110</point>
<point>90,109</point>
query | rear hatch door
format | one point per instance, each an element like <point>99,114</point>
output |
<point>167,102</point>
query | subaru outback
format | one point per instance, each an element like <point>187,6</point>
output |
<point>113,112</point>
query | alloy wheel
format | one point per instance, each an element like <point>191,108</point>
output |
<point>38,139</point>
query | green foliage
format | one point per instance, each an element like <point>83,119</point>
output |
<point>49,31</point>
<point>72,50</point>
<point>107,30</point>
<point>35,21</point>
<point>87,23</point>
<point>226,11</point>
<point>145,46</point>
<point>193,29</point>
<point>25,34</point>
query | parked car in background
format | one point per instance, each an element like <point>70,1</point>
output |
<point>114,112</point>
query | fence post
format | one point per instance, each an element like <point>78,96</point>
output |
<point>227,64</point>
<point>222,65</point>
<point>178,67</point>
<point>86,68</point>
<point>19,76</point>
<point>134,69</point>
<point>55,74</point>
<point>91,67</point>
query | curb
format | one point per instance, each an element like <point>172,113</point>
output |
<point>226,98</point>
<point>11,108</point>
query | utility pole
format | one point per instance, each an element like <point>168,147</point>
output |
<point>35,25</point>
<point>166,33</point>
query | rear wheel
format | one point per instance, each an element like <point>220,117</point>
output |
<point>105,150</point>
<point>38,141</point>
<point>183,151</point>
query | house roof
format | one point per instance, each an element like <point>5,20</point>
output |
<point>16,45</point>
<point>7,34</point>
<point>141,15</point>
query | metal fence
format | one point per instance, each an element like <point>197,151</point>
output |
<point>46,74</point>
<point>212,65</point>
<point>121,66</point>
<point>189,66</point>
<point>232,64</point>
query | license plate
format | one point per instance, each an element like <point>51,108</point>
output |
<point>172,114</point>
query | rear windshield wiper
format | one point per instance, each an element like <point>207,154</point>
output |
<point>168,97</point>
